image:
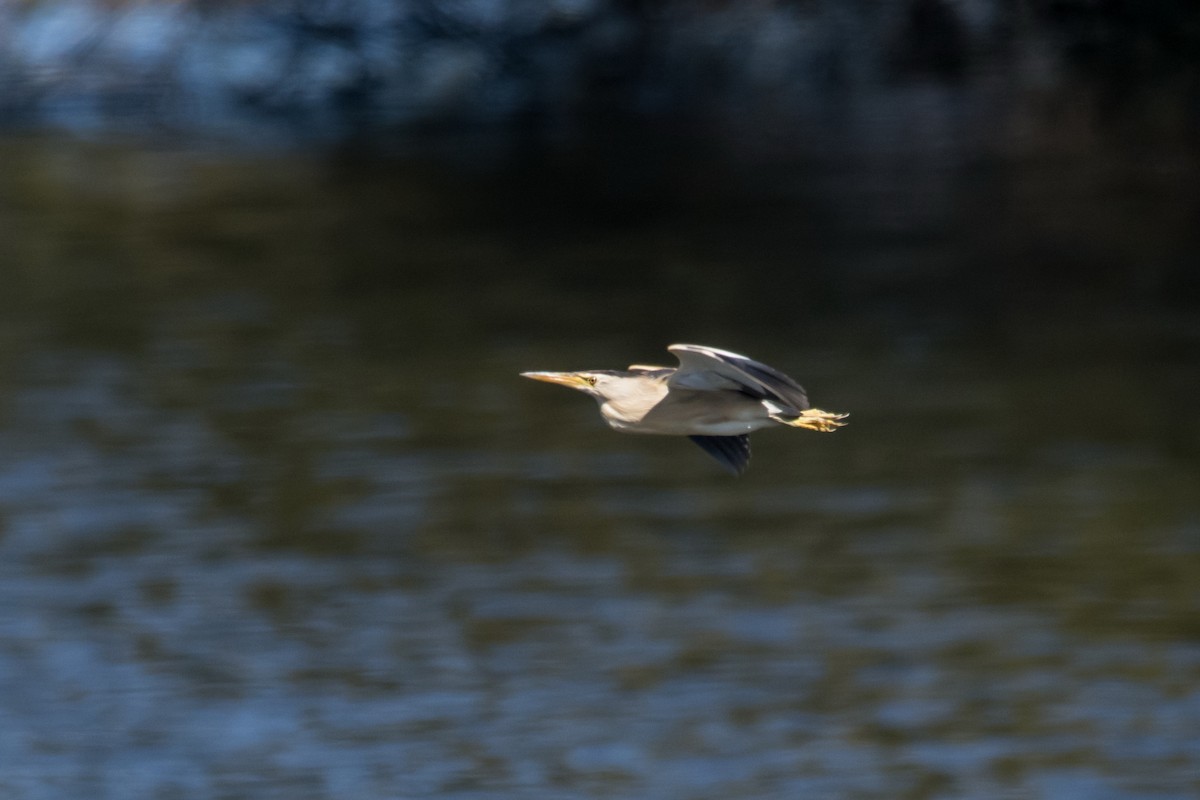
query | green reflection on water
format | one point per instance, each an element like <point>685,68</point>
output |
<point>1044,455</point>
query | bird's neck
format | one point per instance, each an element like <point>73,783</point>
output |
<point>623,412</point>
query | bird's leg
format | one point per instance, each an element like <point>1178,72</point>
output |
<point>814,419</point>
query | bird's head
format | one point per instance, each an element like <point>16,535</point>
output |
<point>592,383</point>
<point>600,384</point>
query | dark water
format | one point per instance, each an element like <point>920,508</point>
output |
<point>280,521</point>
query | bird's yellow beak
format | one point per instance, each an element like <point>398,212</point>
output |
<point>570,379</point>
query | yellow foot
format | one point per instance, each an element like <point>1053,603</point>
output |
<point>815,420</point>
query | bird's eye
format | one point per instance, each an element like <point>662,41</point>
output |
<point>591,379</point>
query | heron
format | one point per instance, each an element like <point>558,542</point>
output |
<point>714,397</point>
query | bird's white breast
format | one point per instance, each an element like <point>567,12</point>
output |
<point>686,414</point>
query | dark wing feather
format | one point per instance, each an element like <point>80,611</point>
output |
<point>707,367</point>
<point>733,452</point>
<point>781,385</point>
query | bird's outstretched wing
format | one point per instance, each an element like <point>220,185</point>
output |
<point>732,451</point>
<point>709,369</point>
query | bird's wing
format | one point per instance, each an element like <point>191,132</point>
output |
<point>709,369</point>
<point>733,452</point>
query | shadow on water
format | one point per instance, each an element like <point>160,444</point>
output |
<point>278,518</point>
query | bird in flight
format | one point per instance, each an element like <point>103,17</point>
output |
<point>714,397</point>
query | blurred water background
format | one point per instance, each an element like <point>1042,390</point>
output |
<point>278,519</point>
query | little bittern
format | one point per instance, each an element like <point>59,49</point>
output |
<point>714,397</point>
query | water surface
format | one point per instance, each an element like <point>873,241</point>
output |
<point>279,519</point>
